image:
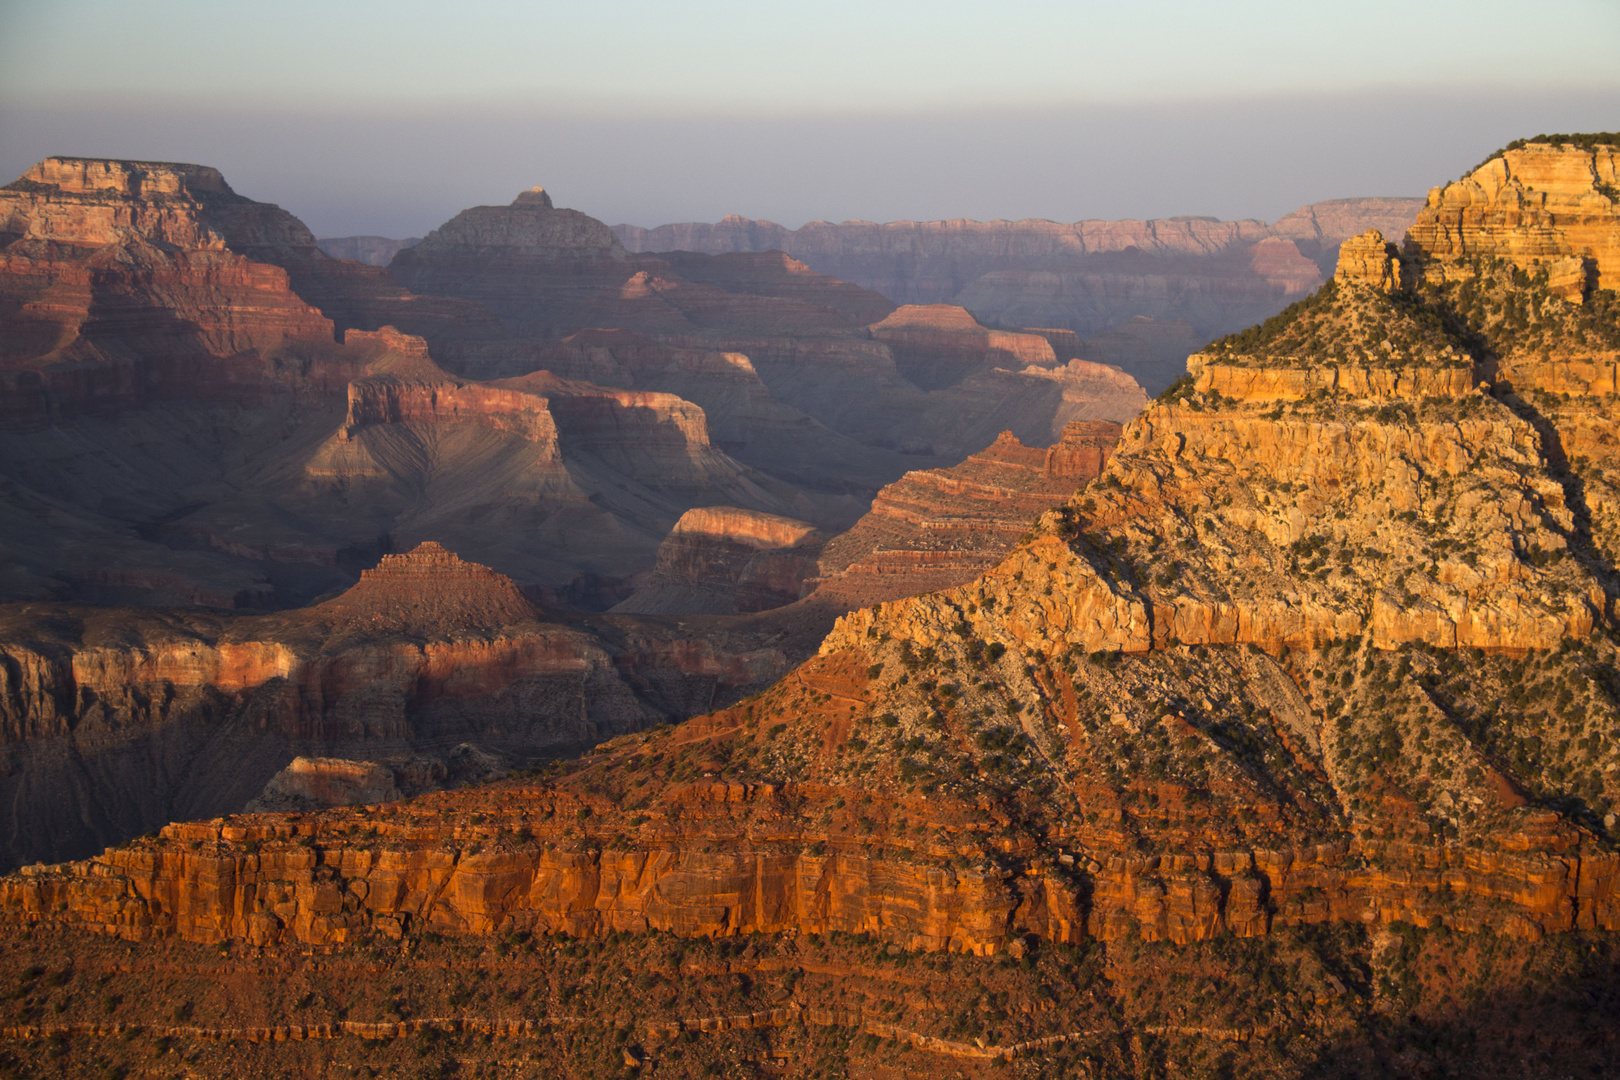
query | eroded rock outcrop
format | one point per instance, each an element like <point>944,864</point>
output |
<point>1089,277</point>
<point>1535,204</point>
<point>723,560</point>
<point>119,288</point>
<point>937,528</point>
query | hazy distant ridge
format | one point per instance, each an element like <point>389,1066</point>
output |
<point>372,250</point>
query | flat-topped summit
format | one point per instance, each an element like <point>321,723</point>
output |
<point>530,225</point>
<point>535,196</point>
<point>430,590</point>
<point>92,202</point>
<point>86,176</point>
<point>1550,203</point>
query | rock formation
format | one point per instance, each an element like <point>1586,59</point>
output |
<point>119,289</point>
<point>172,361</point>
<point>858,389</point>
<point>1539,203</point>
<point>316,783</point>
<point>723,560</point>
<point>903,385</point>
<point>937,345</point>
<point>1090,277</point>
<point>1273,507</point>
<point>933,529</point>
<point>599,473</point>
<point>550,272</point>
<point>116,721</point>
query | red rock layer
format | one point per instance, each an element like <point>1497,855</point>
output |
<point>722,560</point>
<point>118,288</point>
<point>425,652</point>
<point>934,529</point>
<point>716,858</point>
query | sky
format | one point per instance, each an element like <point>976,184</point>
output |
<point>387,118</point>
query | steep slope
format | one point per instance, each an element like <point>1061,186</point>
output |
<point>745,420</point>
<point>118,288</point>
<point>140,356</point>
<point>937,528</point>
<point>117,721</point>
<point>580,478</point>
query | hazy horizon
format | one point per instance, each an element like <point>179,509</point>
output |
<point>389,119</point>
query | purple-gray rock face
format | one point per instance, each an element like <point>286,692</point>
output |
<point>1091,277</point>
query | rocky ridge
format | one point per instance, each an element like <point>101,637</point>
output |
<point>933,529</point>
<point>1092,278</point>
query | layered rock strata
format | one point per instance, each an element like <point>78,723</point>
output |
<point>805,335</point>
<point>724,560</point>
<point>1290,731</point>
<point>1093,278</point>
<point>937,528</point>
<point>936,345</point>
<point>1536,204</point>
<point>116,722</point>
<point>119,288</point>
<point>1325,642</point>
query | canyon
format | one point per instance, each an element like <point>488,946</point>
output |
<point>1142,294</point>
<point>1300,681</point>
<point>208,420</point>
<point>118,722</point>
<point>286,416</point>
